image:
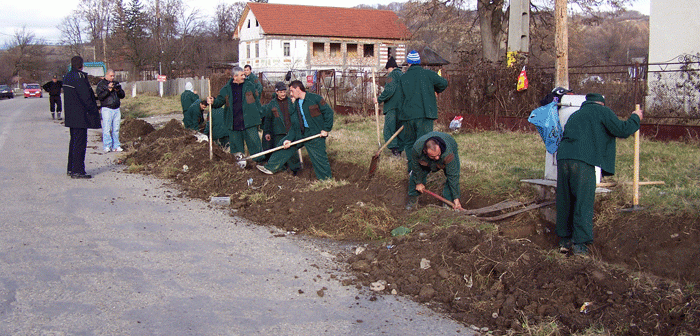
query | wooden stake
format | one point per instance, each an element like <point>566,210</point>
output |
<point>376,106</point>
<point>211,122</point>
<point>635,182</point>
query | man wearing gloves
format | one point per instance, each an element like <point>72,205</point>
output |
<point>432,152</point>
<point>311,115</point>
<point>109,92</point>
<point>588,141</point>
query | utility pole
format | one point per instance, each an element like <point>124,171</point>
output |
<point>561,44</point>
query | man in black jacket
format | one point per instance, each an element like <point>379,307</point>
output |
<point>109,92</point>
<point>81,114</point>
<point>54,89</point>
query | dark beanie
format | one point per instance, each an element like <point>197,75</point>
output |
<point>279,86</point>
<point>596,97</point>
<point>391,63</point>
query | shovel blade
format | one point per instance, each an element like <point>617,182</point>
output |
<point>373,165</point>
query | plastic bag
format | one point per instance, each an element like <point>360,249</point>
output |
<point>456,123</point>
<point>546,120</point>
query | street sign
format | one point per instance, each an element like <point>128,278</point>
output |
<point>162,78</point>
<point>310,80</point>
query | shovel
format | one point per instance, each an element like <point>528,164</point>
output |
<point>375,158</point>
<point>242,160</point>
<point>444,200</point>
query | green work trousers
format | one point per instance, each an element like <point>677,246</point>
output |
<point>293,163</point>
<point>575,198</point>
<point>317,154</point>
<point>390,126</point>
<point>413,129</point>
<point>250,137</point>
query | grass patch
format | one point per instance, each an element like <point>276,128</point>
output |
<point>147,105</point>
<point>325,184</point>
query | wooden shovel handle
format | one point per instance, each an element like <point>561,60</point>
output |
<point>282,147</point>
<point>439,197</point>
<point>390,139</point>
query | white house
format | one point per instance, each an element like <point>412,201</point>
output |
<point>673,39</point>
<point>276,37</point>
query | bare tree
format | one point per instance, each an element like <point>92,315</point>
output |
<point>96,15</point>
<point>71,33</point>
<point>24,55</point>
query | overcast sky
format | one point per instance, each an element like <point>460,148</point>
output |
<point>42,16</point>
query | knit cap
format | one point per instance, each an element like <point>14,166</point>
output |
<point>413,57</point>
<point>597,97</point>
<point>280,86</point>
<point>188,86</point>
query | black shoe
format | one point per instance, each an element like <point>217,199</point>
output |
<point>295,172</point>
<point>69,173</point>
<point>80,176</point>
<point>395,152</point>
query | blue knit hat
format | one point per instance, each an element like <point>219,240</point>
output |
<point>413,57</point>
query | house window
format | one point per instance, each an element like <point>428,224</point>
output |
<point>352,50</point>
<point>247,50</point>
<point>248,23</point>
<point>257,50</point>
<point>287,49</point>
<point>318,49</point>
<point>335,49</point>
<point>369,50</point>
<point>256,23</point>
<point>391,52</point>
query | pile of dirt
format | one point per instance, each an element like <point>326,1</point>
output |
<point>642,278</point>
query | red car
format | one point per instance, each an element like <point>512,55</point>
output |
<point>32,90</point>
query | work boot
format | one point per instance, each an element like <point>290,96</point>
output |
<point>59,116</point>
<point>395,152</point>
<point>565,245</point>
<point>580,250</point>
<point>53,116</point>
<point>412,202</point>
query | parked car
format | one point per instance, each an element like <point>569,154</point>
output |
<point>33,90</point>
<point>6,92</point>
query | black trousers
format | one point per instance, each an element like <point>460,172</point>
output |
<point>76,150</point>
<point>55,104</point>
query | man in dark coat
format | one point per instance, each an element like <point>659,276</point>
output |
<point>81,114</point>
<point>311,115</point>
<point>54,89</point>
<point>193,118</point>
<point>419,107</point>
<point>241,102</point>
<point>588,141</point>
<point>392,98</point>
<point>432,152</point>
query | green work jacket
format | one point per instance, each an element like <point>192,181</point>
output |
<point>319,116</point>
<point>590,133</point>
<point>418,87</point>
<point>274,118</point>
<point>392,96</point>
<point>256,81</point>
<point>187,98</point>
<point>449,161</point>
<point>193,116</point>
<point>219,129</point>
<point>251,104</point>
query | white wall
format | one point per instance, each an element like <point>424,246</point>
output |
<point>674,31</point>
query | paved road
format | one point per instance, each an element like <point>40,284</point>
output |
<point>122,254</point>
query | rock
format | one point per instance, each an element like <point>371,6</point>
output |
<point>394,292</point>
<point>320,292</point>
<point>598,275</point>
<point>359,250</point>
<point>443,273</point>
<point>377,286</point>
<point>426,293</point>
<point>361,266</point>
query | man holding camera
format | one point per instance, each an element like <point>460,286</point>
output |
<point>109,92</point>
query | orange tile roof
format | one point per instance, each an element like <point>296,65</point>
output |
<point>278,19</point>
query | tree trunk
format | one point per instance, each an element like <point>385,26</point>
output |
<point>491,28</point>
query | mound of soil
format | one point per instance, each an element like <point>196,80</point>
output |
<point>642,277</point>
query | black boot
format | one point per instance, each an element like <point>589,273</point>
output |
<point>59,116</point>
<point>53,116</point>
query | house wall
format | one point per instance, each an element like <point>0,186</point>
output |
<point>673,33</point>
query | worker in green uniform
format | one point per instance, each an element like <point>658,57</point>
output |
<point>310,115</point>
<point>193,116</point>
<point>419,107</point>
<point>277,121</point>
<point>219,129</point>
<point>432,152</point>
<point>188,97</point>
<point>588,141</point>
<point>392,98</point>
<point>241,102</point>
